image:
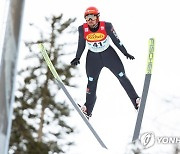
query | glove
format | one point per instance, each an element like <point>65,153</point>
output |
<point>75,61</point>
<point>129,56</point>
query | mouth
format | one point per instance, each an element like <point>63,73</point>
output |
<point>91,22</point>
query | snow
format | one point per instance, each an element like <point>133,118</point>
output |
<point>114,117</point>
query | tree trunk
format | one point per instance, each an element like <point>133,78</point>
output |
<point>40,131</point>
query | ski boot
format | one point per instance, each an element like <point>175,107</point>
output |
<point>138,101</point>
<point>84,110</point>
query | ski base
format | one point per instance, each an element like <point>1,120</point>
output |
<point>61,85</point>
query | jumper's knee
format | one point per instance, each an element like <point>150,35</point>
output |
<point>121,74</point>
<point>122,77</point>
<point>90,78</point>
<point>92,85</point>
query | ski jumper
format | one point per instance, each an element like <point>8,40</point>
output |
<point>101,54</point>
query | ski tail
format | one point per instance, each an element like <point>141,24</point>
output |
<point>145,89</point>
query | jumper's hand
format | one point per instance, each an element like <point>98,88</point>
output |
<point>129,56</point>
<point>75,61</point>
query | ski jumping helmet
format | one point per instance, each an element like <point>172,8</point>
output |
<point>92,10</point>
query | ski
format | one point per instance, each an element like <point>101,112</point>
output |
<point>62,86</point>
<point>145,90</point>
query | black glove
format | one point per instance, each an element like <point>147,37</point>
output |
<point>75,61</point>
<point>129,56</point>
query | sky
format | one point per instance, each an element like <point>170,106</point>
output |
<point>114,117</point>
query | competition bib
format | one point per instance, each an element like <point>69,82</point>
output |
<point>97,41</point>
<point>99,46</point>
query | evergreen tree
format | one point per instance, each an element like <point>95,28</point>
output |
<point>39,125</point>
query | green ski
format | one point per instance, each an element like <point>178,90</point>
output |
<point>62,86</point>
<point>145,90</point>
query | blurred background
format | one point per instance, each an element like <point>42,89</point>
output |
<point>37,118</point>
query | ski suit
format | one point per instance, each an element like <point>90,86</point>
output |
<point>101,54</point>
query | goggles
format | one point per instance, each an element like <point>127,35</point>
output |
<point>90,17</point>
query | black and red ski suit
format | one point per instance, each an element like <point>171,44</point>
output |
<point>96,60</point>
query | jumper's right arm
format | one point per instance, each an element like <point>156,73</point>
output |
<point>81,42</point>
<point>81,47</point>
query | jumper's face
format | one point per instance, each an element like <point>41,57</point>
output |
<point>91,20</point>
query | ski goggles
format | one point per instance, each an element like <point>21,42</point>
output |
<point>90,17</point>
